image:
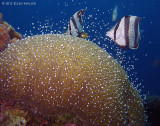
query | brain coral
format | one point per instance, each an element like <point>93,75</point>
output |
<point>63,74</point>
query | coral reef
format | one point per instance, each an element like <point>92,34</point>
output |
<point>152,106</point>
<point>10,116</point>
<point>14,113</point>
<point>0,18</point>
<point>12,33</point>
<point>4,37</point>
<point>60,74</point>
<point>7,34</point>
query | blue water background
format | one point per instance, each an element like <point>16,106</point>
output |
<point>147,57</point>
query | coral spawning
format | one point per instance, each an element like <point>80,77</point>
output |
<point>60,74</point>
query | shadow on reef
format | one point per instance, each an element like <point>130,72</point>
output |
<point>152,106</point>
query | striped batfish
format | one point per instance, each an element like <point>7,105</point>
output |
<point>75,27</point>
<point>126,33</point>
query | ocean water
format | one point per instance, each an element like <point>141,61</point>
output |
<point>52,16</point>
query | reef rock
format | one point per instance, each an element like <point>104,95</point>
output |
<point>152,107</point>
<point>7,34</point>
<point>63,74</point>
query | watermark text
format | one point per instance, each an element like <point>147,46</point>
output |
<point>18,3</point>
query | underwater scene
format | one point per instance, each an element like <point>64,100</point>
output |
<point>79,63</point>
